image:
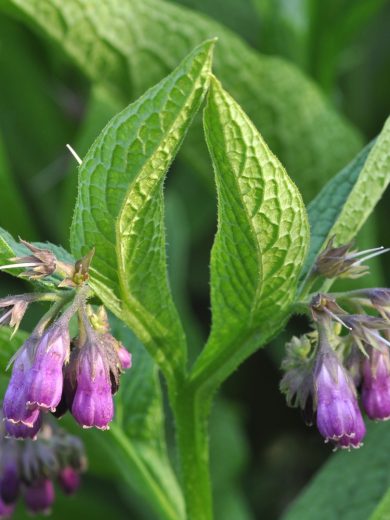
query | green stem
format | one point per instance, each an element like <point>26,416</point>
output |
<point>192,410</point>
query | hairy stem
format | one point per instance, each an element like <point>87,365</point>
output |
<point>192,410</point>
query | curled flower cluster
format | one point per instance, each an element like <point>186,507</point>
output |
<point>53,372</point>
<point>345,359</point>
<point>30,469</point>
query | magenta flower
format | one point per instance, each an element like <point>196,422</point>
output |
<point>14,404</point>
<point>338,415</point>
<point>376,384</point>
<point>69,480</point>
<point>6,510</point>
<point>93,405</point>
<point>22,431</point>
<point>39,496</point>
<point>124,357</point>
<point>45,378</point>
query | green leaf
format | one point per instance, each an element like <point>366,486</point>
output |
<point>119,208</point>
<point>262,235</point>
<point>350,485</point>
<point>145,39</point>
<point>345,203</point>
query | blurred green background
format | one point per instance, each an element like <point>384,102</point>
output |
<point>314,124</point>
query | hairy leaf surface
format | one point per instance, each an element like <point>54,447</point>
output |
<point>119,208</point>
<point>262,235</point>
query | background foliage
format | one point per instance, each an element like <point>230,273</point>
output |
<point>314,79</point>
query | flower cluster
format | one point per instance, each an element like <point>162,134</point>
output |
<point>29,469</point>
<point>52,371</point>
<point>344,359</point>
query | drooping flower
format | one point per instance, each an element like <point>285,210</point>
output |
<point>39,496</point>
<point>93,404</point>
<point>10,475</point>
<point>15,399</point>
<point>338,415</point>
<point>45,377</point>
<point>22,431</point>
<point>376,384</point>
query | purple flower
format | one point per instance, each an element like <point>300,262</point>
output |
<point>14,404</point>
<point>69,480</point>
<point>376,384</point>
<point>93,405</point>
<point>21,431</point>
<point>39,496</point>
<point>10,481</point>
<point>124,357</point>
<point>338,415</point>
<point>6,510</point>
<point>45,378</point>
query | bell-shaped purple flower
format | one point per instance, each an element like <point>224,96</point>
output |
<point>6,510</point>
<point>124,357</point>
<point>376,384</point>
<point>14,404</point>
<point>338,415</point>
<point>93,405</point>
<point>10,481</point>
<point>69,480</point>
<point>21,431</point>
<point>39,496</point>
<point>45,378</point>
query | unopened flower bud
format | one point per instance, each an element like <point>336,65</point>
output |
<point>39,496</point>
<point>124,357</point>
<point>69,480</point>
<point>10,482</point>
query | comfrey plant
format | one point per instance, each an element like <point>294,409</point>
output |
<point>271,258</point>
<point>30,469</point>
<point>52,372</point>
<point>325,369</point>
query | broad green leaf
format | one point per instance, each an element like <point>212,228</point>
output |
<point>262,235</point>
<point>145,39</point>
<point>345,203</point>
<point>119,208</point>
<point>350,485</point>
